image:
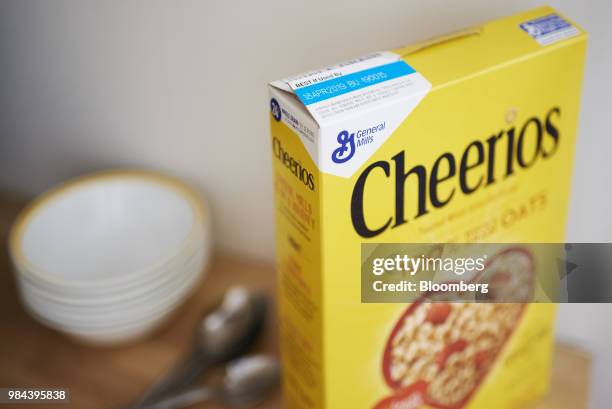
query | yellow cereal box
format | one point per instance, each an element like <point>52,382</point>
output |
<point>466,138</point>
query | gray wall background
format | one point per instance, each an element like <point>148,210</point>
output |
<point>179,86</point>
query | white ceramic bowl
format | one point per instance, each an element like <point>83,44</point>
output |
<point>110,255</point>
<point>104,228</point>
<point>102,294</point>
<point>114,313</point>
<point>97,292</point>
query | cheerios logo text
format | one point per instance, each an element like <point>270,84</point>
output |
<point>293,164</point>
<point>502,154</point>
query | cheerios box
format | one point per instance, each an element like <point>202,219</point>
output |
<point>464,138</point>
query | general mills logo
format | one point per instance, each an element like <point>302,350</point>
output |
<point>346,149</point>
<point>275,109</point>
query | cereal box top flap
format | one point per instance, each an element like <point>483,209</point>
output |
<point>338,92</point>
<point>462,54</point>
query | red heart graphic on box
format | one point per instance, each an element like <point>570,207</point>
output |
<point>440,352</point>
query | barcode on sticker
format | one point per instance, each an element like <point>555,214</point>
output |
<point>549,29</point>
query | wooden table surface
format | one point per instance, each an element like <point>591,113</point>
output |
<point>34,356</point>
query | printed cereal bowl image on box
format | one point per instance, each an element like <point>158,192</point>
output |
<point>439,352</point>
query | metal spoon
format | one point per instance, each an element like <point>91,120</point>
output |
<point>222,335</point>
<point>247,381</point>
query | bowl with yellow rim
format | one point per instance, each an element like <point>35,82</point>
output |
<point>108,249</point>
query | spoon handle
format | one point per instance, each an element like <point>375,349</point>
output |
<point>179,377</point>
<point>183,399</point>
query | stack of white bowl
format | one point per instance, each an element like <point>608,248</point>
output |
<point>107,257</point>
